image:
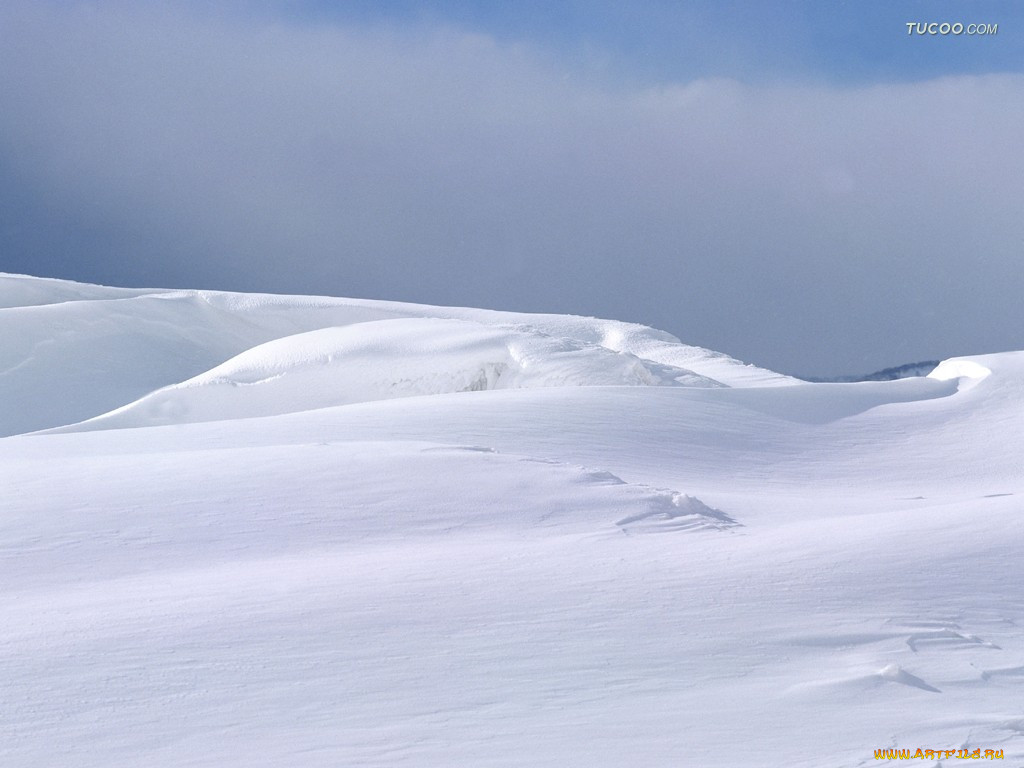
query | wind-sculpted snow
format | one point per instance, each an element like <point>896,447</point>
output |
<point>349,532</point>
<point>968,372</point>
<point>385,359</point>
<point>24,291</point>
<point>70,352</point>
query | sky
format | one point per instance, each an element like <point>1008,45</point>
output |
<point>807,186</point>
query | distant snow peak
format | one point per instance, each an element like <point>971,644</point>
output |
<point>906,371</point>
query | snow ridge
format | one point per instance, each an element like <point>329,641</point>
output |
<point>304,531</point>
<point>70,352</point>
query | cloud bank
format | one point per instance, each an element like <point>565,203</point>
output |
<point>810,229</point>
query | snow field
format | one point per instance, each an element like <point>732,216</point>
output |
<point>626,551</point>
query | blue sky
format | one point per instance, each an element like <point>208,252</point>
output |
<point>801,185</point>
<point>838,41</point>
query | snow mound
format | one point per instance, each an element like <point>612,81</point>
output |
<point>71,351</point>
<point>386,359</point>
<point>961,368</point>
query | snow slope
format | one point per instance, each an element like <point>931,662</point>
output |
<point>69,352</point>
<point>392,535</point>
<point>384,359</point>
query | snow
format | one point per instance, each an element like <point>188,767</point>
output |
<point>968,370</point>
<point>77,351</point>
<point>305,531</point>
<point>384,359</point>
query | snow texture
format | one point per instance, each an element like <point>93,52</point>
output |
<point>304,531</point>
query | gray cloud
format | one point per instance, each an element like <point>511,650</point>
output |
<point>809,229</point>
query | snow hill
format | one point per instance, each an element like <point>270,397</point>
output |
<point>254,530</point>
<point>70,352</point>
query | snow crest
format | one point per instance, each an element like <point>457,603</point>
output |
<point>386,359</point>
<point>70,352</point>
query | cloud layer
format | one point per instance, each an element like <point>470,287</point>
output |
<point>806,228</point>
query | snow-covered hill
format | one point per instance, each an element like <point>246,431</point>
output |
<point>303,531</point>
<point>69,352</point>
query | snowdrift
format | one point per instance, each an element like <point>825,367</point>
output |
<point>280,530</point>
<point>385,359</point>
<point>70,352</point>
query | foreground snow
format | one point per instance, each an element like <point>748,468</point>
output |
<point>315,532</point>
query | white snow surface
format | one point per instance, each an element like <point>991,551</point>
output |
<point>384,359</point>
<point>70,352</point>
<point>304,531</point>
